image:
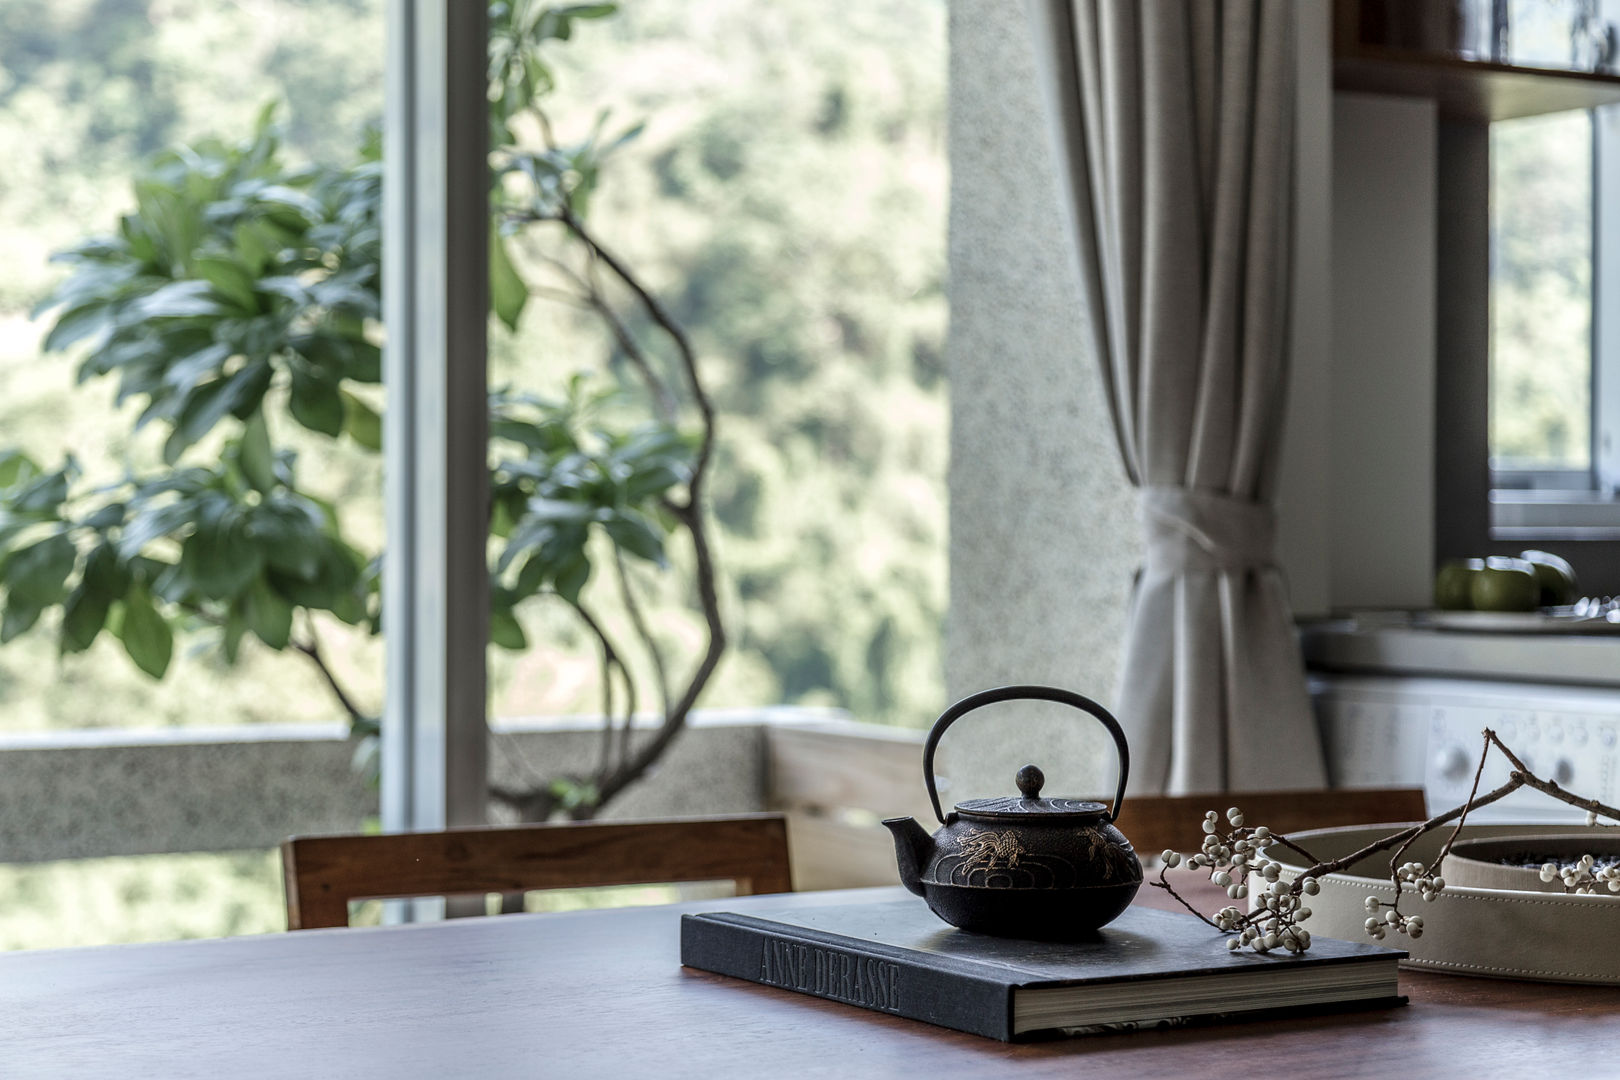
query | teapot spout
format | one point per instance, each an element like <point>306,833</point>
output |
<point>913,850</point>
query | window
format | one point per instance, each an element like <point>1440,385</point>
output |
<point>785,198</point>
<point>1541,296</point>
<point>89,91</point>
<point>1555,462</point>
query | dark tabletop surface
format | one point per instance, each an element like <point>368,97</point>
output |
<point>602,993</point>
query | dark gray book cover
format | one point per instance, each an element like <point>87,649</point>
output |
<point>896,956</point>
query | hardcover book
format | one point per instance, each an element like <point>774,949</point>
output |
<point>1146,969</point>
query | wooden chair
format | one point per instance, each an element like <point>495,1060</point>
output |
<point>323,873</point>
<point>1156,822</point>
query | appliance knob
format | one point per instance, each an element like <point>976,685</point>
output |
<point>1452,763</point>
<point>1563,772</point>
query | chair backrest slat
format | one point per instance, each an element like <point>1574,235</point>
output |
<point>323,873</point>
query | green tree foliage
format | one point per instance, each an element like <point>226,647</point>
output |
<point>233,275</point>
<point>786,200</point>
<point>242,294</point>
<point>1541,290</point>
<point>787,197</point>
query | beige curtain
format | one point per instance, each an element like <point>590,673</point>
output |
<point>1173,126</point>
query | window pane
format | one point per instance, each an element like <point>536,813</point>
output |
<point>1541,292</point>
<point>1547,33</point>
<point>139,121</point>
<point>90,92</point>
<point>786,201</point>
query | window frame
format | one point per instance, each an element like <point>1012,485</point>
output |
<point>1527,503</point>
<point>435,445</point>
<point>1463,483</point>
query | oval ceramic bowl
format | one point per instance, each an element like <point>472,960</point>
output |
<point>1504,933</point>
<point>1515,862</point>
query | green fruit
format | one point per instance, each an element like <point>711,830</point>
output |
<point>1454,582</point>
<point>1505,585</point>
<point>1555,577</point>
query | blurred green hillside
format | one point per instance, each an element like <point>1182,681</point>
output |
<point>1541,290</point>
<point>787,200</point>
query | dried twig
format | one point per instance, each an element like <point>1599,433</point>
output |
<point>1295,848</point>
<point>1549,787</point>
<point>1473,793</point>
<point>1164,883</point>
<point>1273,914</point>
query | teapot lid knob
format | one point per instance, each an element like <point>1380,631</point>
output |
<point>1030,778</point>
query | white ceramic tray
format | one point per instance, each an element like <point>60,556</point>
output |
<point>1538,936</point>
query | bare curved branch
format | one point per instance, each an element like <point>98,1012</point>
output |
<point>655,655</point>
<point>311,648</point>
<point>630,763</point>
<point>612,660</point>
<point>671,328</point>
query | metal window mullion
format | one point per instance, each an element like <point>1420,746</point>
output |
<point>435,259</point>
<point>1606,298</point>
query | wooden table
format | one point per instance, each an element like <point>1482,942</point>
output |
<point>601,993</point>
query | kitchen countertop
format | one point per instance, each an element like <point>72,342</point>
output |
<point>1385,643</point>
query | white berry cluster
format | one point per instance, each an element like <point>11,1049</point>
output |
<point>1584,877</point>
<point>1418,876</point>
<point>1276,924</point>
<point>1235,857</point>
<point>1427,884</point>
<point>1377,926</point>
<point>1261,936</point>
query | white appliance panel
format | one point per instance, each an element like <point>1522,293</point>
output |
<point>1383,732</point>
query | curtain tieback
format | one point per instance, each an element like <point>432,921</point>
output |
<point>1205,530</point>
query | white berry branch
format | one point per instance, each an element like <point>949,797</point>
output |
<point>1584,876</point>
<point>1238,856</point>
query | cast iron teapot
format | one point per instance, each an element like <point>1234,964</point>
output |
<point>1026,867</point>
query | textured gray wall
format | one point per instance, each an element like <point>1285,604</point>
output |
<point>1044,538</point>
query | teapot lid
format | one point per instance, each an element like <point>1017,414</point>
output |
<point>1030,803</point>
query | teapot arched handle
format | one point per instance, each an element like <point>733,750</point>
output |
<point>1017,693</point>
